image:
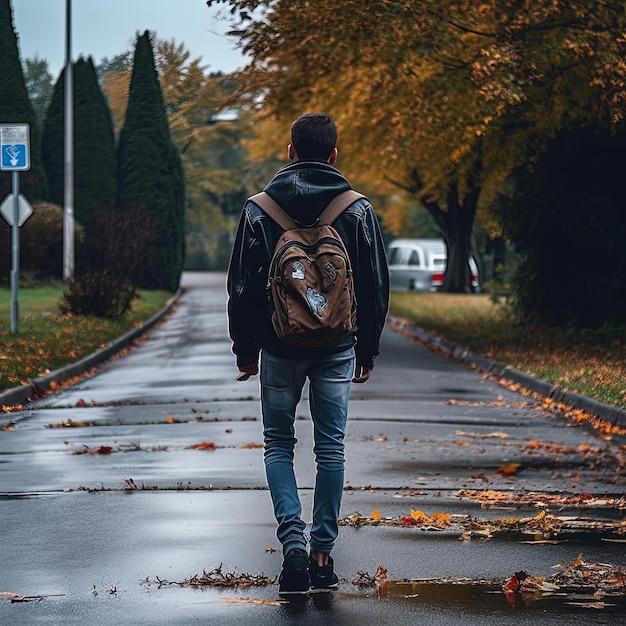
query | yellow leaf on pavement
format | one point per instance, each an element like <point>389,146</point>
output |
<point>509,470</point>
<point>441,519</point>
<point>419,516</point>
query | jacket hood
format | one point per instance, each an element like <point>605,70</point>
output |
<point>304,188</point>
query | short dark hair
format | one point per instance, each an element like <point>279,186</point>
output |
<point>314,136</point>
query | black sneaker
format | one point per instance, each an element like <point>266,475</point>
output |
<point>322,578</point>
<point>294,579</point>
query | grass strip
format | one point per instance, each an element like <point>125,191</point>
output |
<point>48,340</point>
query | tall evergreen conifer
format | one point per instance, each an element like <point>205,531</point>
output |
<point>150,173</point>
<point>53,142</point>
<point>16,108</point>
<point>94,152</point>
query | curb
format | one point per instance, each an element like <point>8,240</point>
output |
<point>608,412</point>
<point>26,393</point>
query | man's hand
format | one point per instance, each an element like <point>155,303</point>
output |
<point>361,373</point>
<point>247,371</point>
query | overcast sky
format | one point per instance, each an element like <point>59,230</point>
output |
<point>104,28</point>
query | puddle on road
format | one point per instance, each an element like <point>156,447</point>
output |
<point>487,597</point>
<point>421,602</point>
<point>578,587</point>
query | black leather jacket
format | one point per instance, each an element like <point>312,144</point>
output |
<point>303,189</point>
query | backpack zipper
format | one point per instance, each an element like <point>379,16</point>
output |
<point>307,249</point>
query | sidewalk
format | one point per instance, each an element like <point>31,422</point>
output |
<point>151,473</point>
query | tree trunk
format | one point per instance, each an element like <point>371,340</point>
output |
<point>456,224</point>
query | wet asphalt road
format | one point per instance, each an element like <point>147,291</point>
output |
<point>106,494</point>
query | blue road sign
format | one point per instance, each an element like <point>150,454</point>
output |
<point>15,147</point>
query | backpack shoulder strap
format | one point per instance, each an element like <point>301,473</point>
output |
<point>273,210</point>
<point>338,205</point>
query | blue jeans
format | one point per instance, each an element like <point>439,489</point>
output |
<point>282,381</point>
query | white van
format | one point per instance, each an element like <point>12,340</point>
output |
<point>420,265</point>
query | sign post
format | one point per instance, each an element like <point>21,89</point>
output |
<point>15,157</point>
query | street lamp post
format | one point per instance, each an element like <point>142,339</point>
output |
<point>68,196</point>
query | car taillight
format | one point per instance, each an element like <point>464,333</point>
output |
<point>436,280</point>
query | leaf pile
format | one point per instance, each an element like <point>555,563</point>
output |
<point>436,521</point>
<point>99,450</point>
<point>365,580</point>
<point>538,499</point>
<point>583,584</point>
<point>543,527</point>
<point>215,578</point>
<point>203,445</point>
<point>69,423</point>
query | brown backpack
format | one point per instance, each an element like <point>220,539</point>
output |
<point>310,276</point>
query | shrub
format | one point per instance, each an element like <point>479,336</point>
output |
<point>101,294</point>
<point>107,287</point>
<point>41,244</point>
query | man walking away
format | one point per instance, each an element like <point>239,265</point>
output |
<point>303,189</point>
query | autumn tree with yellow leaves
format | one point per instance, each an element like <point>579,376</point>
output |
<point>442,99</point>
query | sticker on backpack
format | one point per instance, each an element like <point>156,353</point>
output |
<point>317,302</point>
<point>297,270</point>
